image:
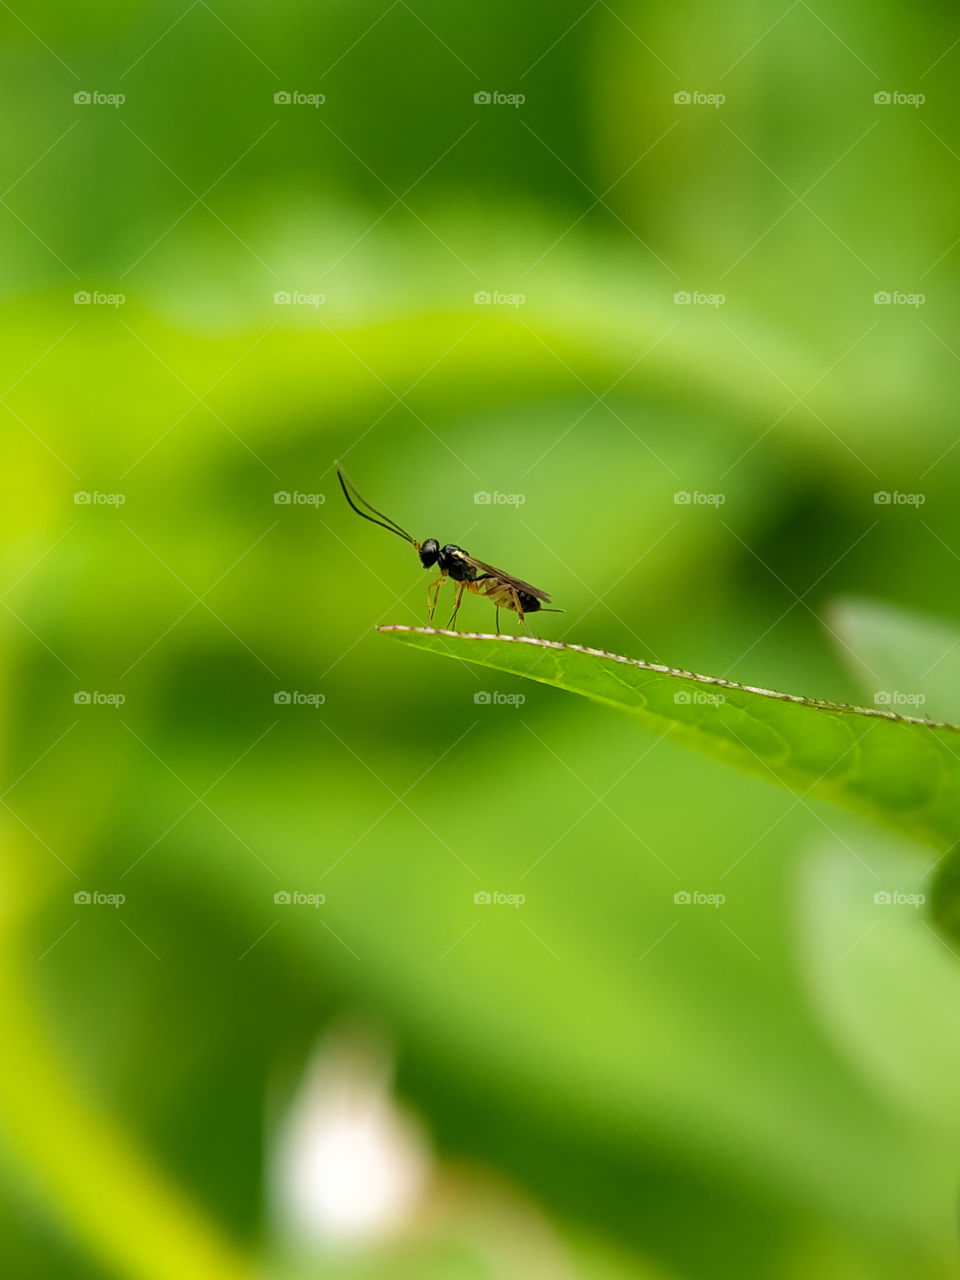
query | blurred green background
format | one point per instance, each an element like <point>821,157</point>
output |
<point>603,1083</point>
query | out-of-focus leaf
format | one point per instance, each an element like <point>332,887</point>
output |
<point>104,1189</point>
<point>870,954</point>
<point>906,659</point>
<point>917,659</point>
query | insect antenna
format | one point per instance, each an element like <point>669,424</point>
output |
<point>384,522</point>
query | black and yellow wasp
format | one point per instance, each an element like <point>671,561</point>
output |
<point>470,574</point>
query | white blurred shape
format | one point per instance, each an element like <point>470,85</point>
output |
<point>349,1165</point>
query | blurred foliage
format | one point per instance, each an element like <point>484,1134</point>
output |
<point>706,1094</point>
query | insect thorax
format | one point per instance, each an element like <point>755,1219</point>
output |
<point>453,561</point>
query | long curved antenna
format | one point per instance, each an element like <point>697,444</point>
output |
<point>384,522</point>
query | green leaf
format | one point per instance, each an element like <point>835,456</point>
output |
<point>900,771</point>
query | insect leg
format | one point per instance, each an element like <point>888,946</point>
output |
<point>432,602</point>
<point>461,586</point>
<point>520,613</point>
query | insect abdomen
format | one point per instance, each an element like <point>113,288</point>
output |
<point>505,596</point>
